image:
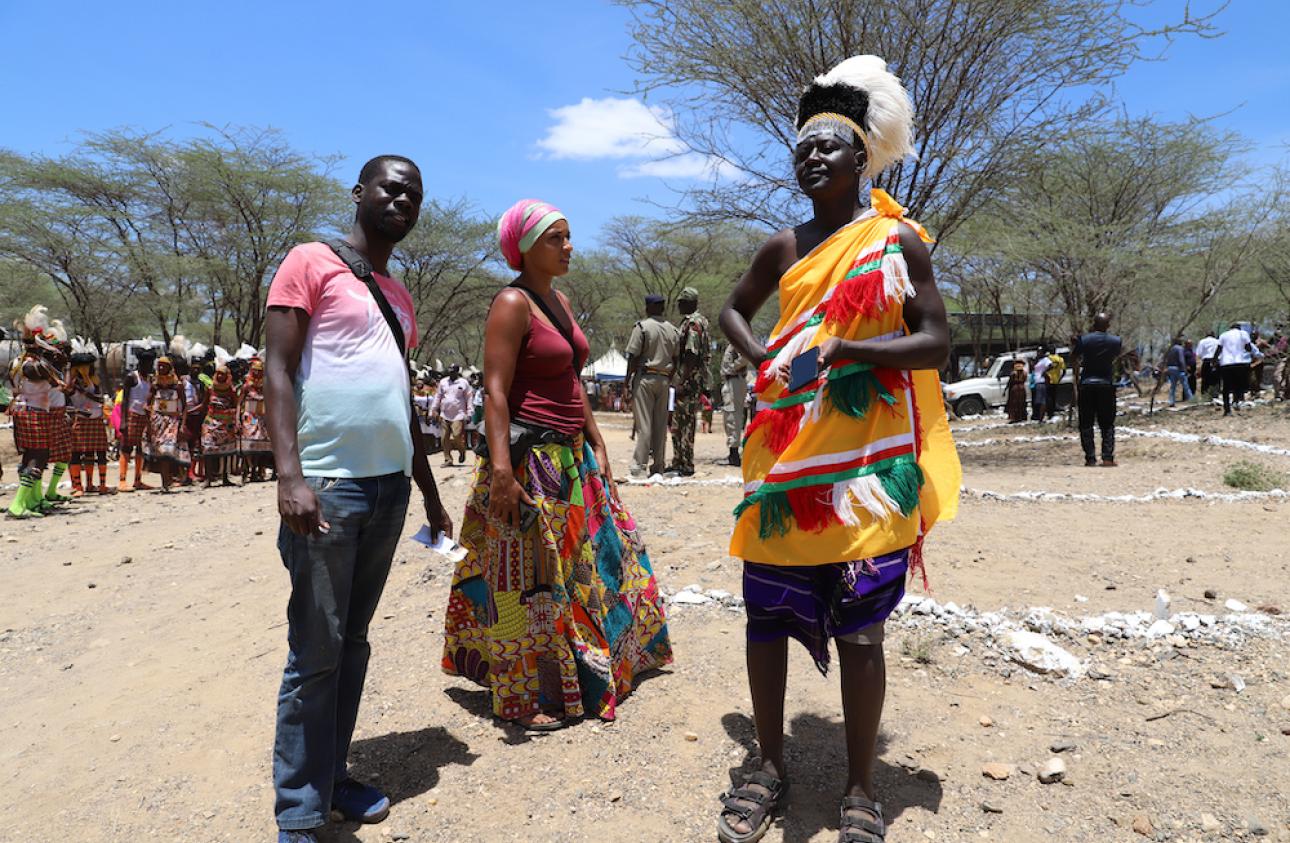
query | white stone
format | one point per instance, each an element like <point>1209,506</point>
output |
<point>1054,770</point>
<point>1160,629</point>
<point>1234,605</point>
<point>719,595</point>
<point>693,588</point>
<point>1191,623</point>
<point>690,598</point>
<point>1039,654</point>
<point>1093,624</point>
<point>1079,598</point>
<point>1162,605</point>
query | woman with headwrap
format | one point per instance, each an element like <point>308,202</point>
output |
<point>164,447</point>
<point>848,462</point>
<point>554,608</point>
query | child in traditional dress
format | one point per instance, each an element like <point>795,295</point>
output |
<point>253,433</point>
<point>89,429</point>
<point>134,418</point>
<point>219,427</point>
<point>164,446</point>
<point>34,380</point>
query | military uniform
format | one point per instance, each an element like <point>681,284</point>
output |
<point>734,410</point>
<point>654,341</point>
<point>690,379</point>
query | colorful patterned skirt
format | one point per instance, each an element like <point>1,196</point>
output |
<point>89,434</point>
<point>563,616</point>
<point>219,432</point>
<point>255,435</point>
<point>60,448</point>
<point>164,439</point>
<point>817,602</point>
<point>33,428</point>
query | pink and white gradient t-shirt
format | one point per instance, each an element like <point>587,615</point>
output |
<point>352,388</point>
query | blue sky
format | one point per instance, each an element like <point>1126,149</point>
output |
<point>495,101</point>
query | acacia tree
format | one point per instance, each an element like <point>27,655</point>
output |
<point>992,82</point>
<point>1132,216</point>
<point>444,264</point>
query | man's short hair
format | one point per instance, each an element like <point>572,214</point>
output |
<point>369,169</point>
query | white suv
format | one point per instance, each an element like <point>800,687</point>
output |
<point>974,396</point>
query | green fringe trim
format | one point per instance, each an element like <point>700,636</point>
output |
<point>901,478</point>
<point>851,392</point>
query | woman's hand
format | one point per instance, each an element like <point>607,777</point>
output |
<point>504,497</point>
<point>607,475</point>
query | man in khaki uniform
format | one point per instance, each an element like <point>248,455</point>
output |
<point>734,408</point>
<point>651,355</point>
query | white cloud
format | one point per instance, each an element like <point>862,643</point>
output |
<point>625,128</point>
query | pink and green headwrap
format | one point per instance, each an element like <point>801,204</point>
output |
<point>521,226</point>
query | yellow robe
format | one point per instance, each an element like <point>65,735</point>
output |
<point>860,462</point>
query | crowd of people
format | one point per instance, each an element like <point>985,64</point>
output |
<point>191,415</point>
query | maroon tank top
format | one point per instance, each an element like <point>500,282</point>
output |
<point>545,390</point>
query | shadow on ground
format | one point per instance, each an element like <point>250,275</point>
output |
<point>403,764</point>
<point>815,753</point>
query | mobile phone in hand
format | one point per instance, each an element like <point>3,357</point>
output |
<point>804,369</point>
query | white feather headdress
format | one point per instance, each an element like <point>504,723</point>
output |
<point>887,121</point>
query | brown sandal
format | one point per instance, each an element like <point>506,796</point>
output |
<point>863,830</point>
<point>753,807</point>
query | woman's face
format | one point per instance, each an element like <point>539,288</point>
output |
<point>825,165</point>
<point>551,253</point>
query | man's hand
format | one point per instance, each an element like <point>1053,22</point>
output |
<point>829,350</point>
<point>438,518</point>
<point>298,506</point>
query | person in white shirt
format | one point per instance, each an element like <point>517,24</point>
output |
<point>1040,395</point>
<point>1235,351</point>
<point>452,408</point>
<point>1206,350</point>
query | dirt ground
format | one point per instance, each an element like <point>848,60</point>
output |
<point>142,639</point>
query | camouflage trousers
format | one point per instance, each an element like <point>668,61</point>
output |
<point>684,415</point>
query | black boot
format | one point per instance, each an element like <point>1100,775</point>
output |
<point>734,457</point>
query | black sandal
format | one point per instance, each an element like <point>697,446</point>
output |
<point>864,830</point>
<point>753,807</point>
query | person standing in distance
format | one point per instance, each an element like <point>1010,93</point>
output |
<point>734,409</point>
<point>651,354</point>
<point>452,406</point>
<point>1235,352</point>
<point>693,360</point>
<point>1097,351</point>
<point>345,442</point>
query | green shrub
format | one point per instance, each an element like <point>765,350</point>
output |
<point>1253,477</point>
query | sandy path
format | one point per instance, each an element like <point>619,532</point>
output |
<point>136,699</point>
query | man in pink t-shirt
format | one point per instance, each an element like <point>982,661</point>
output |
<point>344,443</point>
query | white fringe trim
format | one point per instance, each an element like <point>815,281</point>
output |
<point>896,285</point>
<point>784,357</point>
<point>866,492</point>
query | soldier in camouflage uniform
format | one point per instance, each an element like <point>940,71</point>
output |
<point>691,378</point>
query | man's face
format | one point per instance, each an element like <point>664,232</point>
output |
<point>390,202</point>
<point>825,164</point>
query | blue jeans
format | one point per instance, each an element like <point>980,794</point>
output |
<point>1177,376</point>
<point>336,582</point>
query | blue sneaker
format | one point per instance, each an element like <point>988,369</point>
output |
<point>358,802</point>
<point>306,836</point>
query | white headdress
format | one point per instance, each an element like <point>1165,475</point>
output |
<point>82,346</point>
<point>178,348</point>
<point>861,98</point>
<point>246,352</point>
<point>197,352</point>
<point>222,356</point>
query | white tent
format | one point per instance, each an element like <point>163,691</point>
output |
<point>612,366</point>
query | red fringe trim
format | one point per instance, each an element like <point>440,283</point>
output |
<point>916,566</point>
<point>764,379</point>
<point>862,295</point>
<point>892,380</point>
<point>781,426</point>
<point>811,508</point>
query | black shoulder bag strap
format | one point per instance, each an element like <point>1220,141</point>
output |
<point>565,331</point>
<point>363,271</point>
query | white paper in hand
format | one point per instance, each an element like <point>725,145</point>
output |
<point>440,543</point>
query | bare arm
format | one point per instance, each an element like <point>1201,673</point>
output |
<point>927,345</point>
<point>285,329</point>
<point>752,290</point>
<point>508,321</point>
